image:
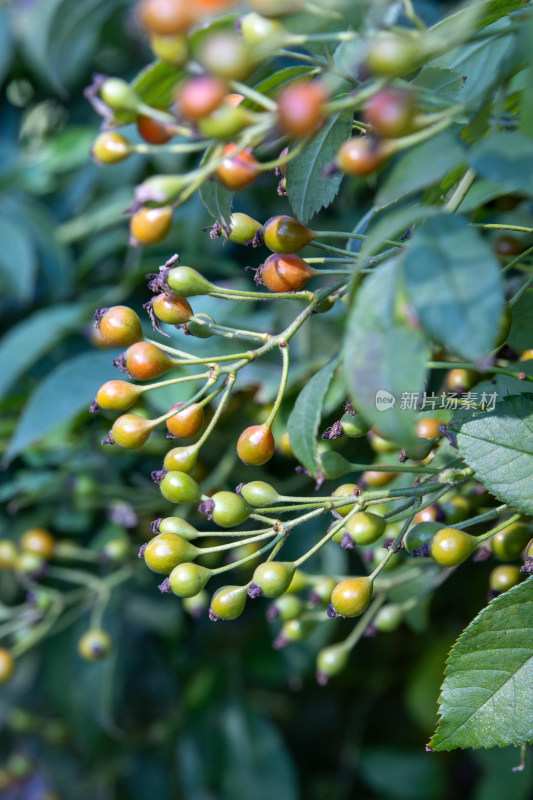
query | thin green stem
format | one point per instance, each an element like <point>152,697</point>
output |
<point>480,518</point>
<point>252,94</point>
<point>462,189</point>
<point>393,548</point>
<point>284,349</point>
<point>363,623</point>
<point>521,376</point>
<point>234,564</point>
<point>216,416</point>
<point>523,289</point>
<point>499,528</point>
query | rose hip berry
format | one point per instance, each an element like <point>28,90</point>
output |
<point>286,273</point>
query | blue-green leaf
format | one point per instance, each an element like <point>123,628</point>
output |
<point>453,282</point>
<point>27,341</point>
<point>305,418</point>
<point>384,355</point>
<point>65,392</point>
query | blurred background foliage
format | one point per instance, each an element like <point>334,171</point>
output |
<point>183,708</point>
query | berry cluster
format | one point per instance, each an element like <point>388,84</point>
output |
<point>227,126</point>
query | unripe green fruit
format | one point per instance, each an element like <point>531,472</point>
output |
<point>507,545</point>
<point>457,509</point>
<point>187,282</point>
<point>179,526</point>
<point>300,581</point>
<point>115,551</point>
<point>172,49</point>
<point>186,580</point>
<point>229,510</point>
<point>392,55</point>
<point>266,34</point>
<point>178,487</point>
<point>285,607</point>
<point>119,95</point>
<point>331,661</point>
<point>352,596</point>
<point>505,326</point>
<point>333,465</point>
<point>450,546</point>
<point>346,490</point>
<point>94,645</point>
<point>228,602</point>
<point>131,431</point>
<point>243,228</point>
<point>388,618</point>
<point>160,189</point>
<point>274,577</point>
<point>420,534</point>
<point>7,665</point>
<point>226,122</point>
<point>419,450</point>
<point>379,444</point>
<point>195,328</point>
<point>118,395</point>
<point>8,554</point>
<point>504,577</point>
<point>295,630</point>
<point>353,425</point>
<point>365,528</point>
<point>181,459</point>
<point>166,550</point>
<point>110,148</point>
<point>284,234</point>
<point>196,604</point>
<point>322,588</point>
<point>226,55</point>
<point>259,494</point>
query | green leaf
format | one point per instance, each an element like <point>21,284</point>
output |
<point>481,63</point>
<point>305,418</point>
<point>274,83</point>
<point>252,745</point>
<point>392,225</point>
<point>487,694</point>
<point>156,83</point>
<point>65,392</point>
<point>440,80</point>
<point>26,342</point>
<point>415,776</point>
<point>216,198</point>
<point>506,158</point>
<point>384,357</point>
<point>308,189</point>
<point>498,445</point>
<point>59,36</point>
<point>520,337</point>
<point>18,260</point>
<point>453,283</point>
<point>421,166</point>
